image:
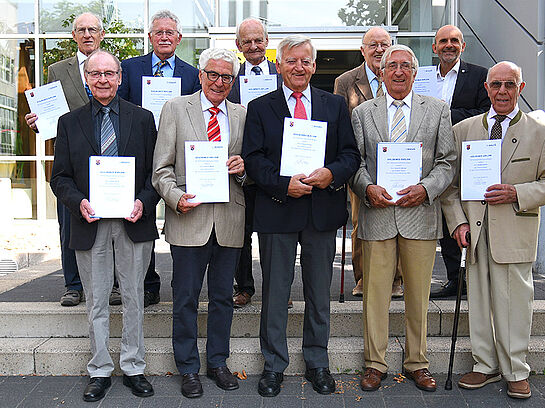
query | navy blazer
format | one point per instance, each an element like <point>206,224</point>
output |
<point>234,95</point>
<point>76,142</point>
<point>275,211</point>
<point>470,97</point>
<point>133,69</point>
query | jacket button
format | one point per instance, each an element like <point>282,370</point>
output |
<point>483,202</point>
<point>478,223</point>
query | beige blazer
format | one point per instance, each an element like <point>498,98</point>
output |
<point>512,228</point>
<point>354,86</point>
<point>430,124</point>
<point>67,71</point>
<point>182,120</point>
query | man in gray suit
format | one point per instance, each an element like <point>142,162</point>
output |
<point>407,227</point>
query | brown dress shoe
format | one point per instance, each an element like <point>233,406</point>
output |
<point>474,380</point>
<point>241,299</point>
<point>519,389</point>
<point>370,381</point>
<point>422,379</point>
<point>358,289</point>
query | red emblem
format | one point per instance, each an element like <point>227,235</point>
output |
<point>384,149</point>
<point>149,81</point>
<point>192,147</point>
<point>468,147</point>
<point>97,162</point>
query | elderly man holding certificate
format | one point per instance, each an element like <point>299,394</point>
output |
<point>200,135</point>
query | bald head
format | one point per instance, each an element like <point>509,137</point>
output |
<point>87,32</point>
<point>375,41</point>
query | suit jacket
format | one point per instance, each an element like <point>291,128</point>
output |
<point>234,95</point>
<point>470,97</point>
<point>430,124</point>
<point>133,69</point>
<point>354,87</point>
<point>67,71</point>
<point>182,120</point>
<point>275,211</point>
<point>512,228</point>
<point>76,142</point>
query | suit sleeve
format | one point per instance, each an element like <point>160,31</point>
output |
<point>51,75</point>
<point>480,104</point>
<point>362,179</point>
<point>531,195</point>
<point>147,194</point>
<point>123,90</point>
<point>196,83</point>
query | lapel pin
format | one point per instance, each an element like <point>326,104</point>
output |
<point>514,140</point>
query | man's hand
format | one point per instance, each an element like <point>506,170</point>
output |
<point>185,206</point>
<point>31,119</point>
<point>460,234</point>
<point>320,178</point>
<point>296,188</point>
<point>413,196</point>
<point>500,194</point>
<point>137,211</point>
<point>235,165</point>
<point>87,211</point>
<point>378,196</point>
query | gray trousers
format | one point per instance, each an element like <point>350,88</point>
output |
<point>96,268</point>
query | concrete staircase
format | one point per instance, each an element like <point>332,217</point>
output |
<point>48,339</point>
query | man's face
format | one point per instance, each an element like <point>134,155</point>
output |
<point>87,33</point>
<point>102,77</point>
<point>297,67</point>
<point>375,42</point>
<point>164,37</point>
<point>216,91</point>
<point>503,88</point>
<point>253,42</point>
<point>448,45</point>
<point>398,75</point>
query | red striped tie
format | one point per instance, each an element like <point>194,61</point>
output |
<point>213,126</point>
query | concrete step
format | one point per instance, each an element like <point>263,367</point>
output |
<point>49,319</point>
<point>65,356</point>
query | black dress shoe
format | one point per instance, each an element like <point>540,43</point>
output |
<point>321,379</point>
<point>448,289</point>
<point>138,385</point>
<point>191,385</point>
<point>96,389</point>
<point>151,298</point>
<point>223,378</point>
<point>269,383</point>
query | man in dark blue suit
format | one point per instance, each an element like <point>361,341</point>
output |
<point>165,34</point>
<point>304,208</point>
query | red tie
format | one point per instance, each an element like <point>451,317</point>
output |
<point>299,112</point>
<point>213,126</point>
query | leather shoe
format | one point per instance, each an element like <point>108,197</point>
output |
<point>422,379</point>
<point>223,378</point>
<point>191,385</point>
<point>115,297</point>
<point>241,299</point>
<point>448,289</point>
<point>358,289</point>
<point>138,385</point>
<point>96,389</point>
<point>321,379</point>
<point>269,383</point>
<point>151,298</point>
<point>370,381</point>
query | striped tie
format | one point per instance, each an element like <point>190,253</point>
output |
<point>399,129</point>
<point>380,91</point>
<point>160,65</point>
<point>88,90</point>
<point>213,126</point>
<point>108,142</point>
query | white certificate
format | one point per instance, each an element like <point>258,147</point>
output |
<point>156,91</point>
<point>206,173</point>
<point>111,186</point>
<point>303,146</point>
<point>481,167</point>
<point>49,103</point>
<point>253,86</point>
<point>425,82</point>
<point>399,165</point>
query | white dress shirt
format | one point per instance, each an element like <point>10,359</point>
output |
<point>504,124</point>
<point>446,84</point>
<point>290,100</point>
<point>264,65</point>
<point>392,110</point>
<point>81,59</point>
<point>223,120</point>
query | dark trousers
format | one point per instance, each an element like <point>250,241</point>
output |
<point>152,281</point>
<point>188,267</point>
<point>68,256</point>
<point>243,275</point>
<point>277,253</point>
<point>451,253</point>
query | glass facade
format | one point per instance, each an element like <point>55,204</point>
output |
<point>36,33</point>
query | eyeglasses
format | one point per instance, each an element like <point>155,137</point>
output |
<point>306,62</point>
<point>98,74</point>
<point>404,66</point>
<point>256,41</point>
<point>213,76</point>
<point>168,33</point>
<point>91,30</point>
<point>374,46</point>
<point>509,85</point>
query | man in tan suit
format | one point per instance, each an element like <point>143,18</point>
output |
<point>202,235</point>
<point>356,86</point>
<point>504,229</point>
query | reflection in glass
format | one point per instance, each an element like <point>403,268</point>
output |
<point>421,47</point>
<point>17,16</point>
<point>420,15</point>
<point>190,49</point>
<point>50,199</point>
<point>22,175</point>
<point>195,15</point>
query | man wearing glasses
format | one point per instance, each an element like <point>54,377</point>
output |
<point>165,34</point>
<point>202,236</point>
<point>109,126</point>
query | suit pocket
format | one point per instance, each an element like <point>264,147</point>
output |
<point>520,159</point>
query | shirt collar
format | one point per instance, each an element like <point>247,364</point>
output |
<point>155,59</point>
<point>408,99</point>
<point>510,115</point>
<point>370,74</point>
<point>114,105</point>
<point>454,69</point>
<point>288,92</point>
<point>264,65</point>
<point>81,57</point>
<point>206,104</point>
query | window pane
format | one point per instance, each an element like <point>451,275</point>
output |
<point>17,16</point>
<point>50,199</point>
<point>420,15</point>
<point>421,47</point>
<point>195,15</point>
<point>190,49</point>
<point>22,176</point>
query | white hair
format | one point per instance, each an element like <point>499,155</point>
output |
<point>398,47</point>
<point>165,14</point>
<point>246,20</point>
<point>294,40</point>
<point>99,21</point>
<point>219,54</point>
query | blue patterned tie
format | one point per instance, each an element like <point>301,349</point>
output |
<point>89,93</point>
<point>160,66</point>
<point>257,70</point>
<point>108,142</point>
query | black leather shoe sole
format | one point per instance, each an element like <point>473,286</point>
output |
<point>192,394</point>
<point>128,383</point>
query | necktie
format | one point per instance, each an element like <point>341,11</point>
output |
<point>89,93</point>
<point>399,128</point>
<point>496,132</point>
<point>213,126</point>
<point>108,143</point>
<point>160,66</point>
<point>380,91</point>
<point>299,112</point>
<point>257,70</point>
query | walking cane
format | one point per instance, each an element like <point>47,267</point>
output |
<point>343,256</point>
<point>461,273</point>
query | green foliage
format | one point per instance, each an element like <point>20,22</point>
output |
<point>363,13</point>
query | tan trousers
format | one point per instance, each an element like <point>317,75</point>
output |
<point>379,263</point>
<point>500,300</point>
